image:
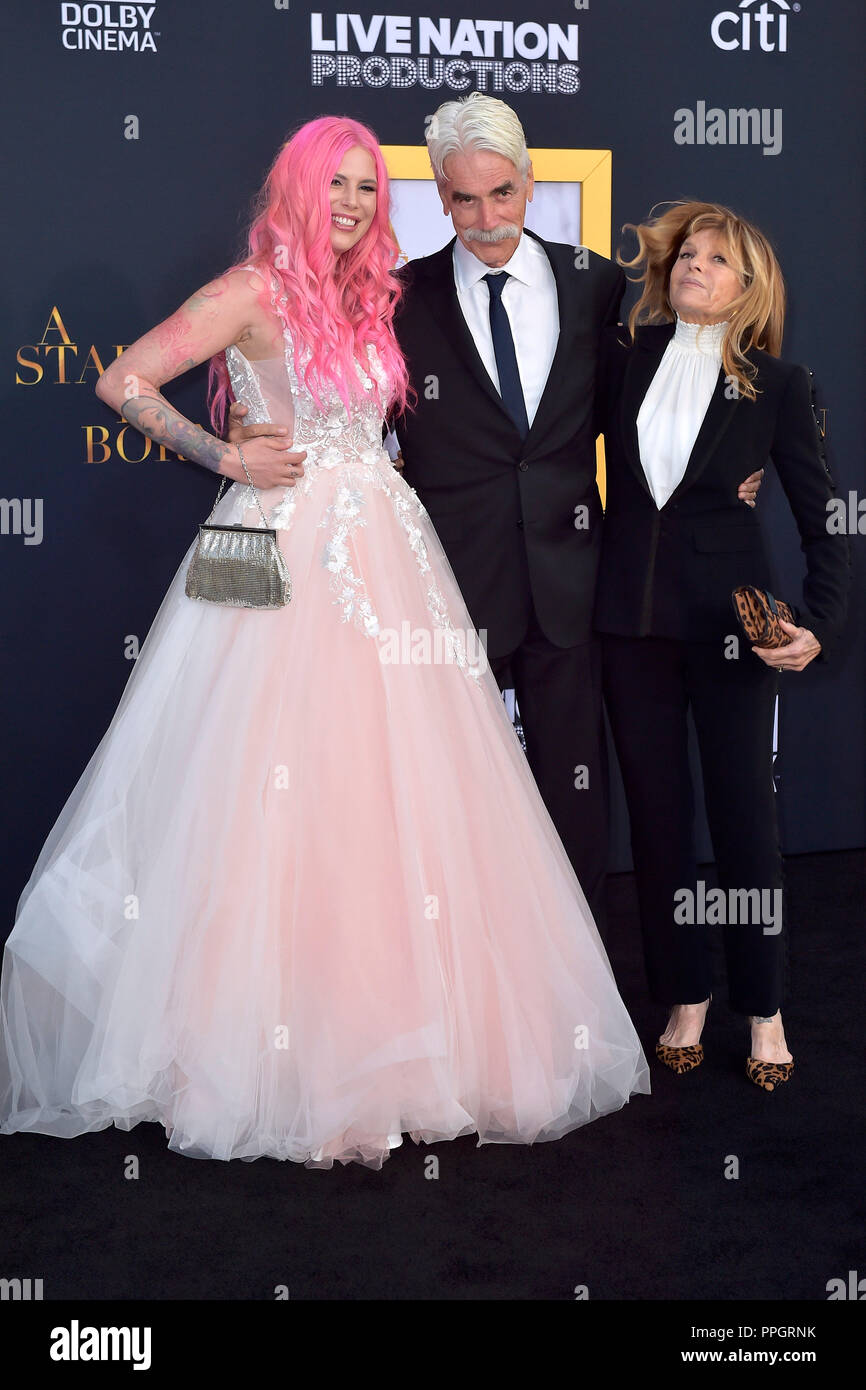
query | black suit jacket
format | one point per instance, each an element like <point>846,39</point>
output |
<point>504,508</point>
<point>670,572</point>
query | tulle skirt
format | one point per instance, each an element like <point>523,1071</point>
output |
<point>305,897</point>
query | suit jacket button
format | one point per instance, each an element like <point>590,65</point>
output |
<point>523,466</point>
<point>520,522</point>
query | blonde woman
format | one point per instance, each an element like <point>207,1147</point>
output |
<point>696,397</point>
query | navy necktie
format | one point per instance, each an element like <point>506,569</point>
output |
<point>510,388</point>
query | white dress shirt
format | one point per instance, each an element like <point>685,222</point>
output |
<point>532,306</point>
<point>676,402</point>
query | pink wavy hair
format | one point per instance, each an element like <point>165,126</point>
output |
<point>335,305</point>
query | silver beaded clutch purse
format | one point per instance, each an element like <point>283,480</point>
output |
<point>241,566</point>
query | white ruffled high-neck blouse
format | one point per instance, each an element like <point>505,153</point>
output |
<point>675,404</point>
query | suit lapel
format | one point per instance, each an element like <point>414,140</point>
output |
<point>440,289</point>
<point>650,347</point>
<point>720,413</point>
<point>551,396</point>
<point>442,296</point>
<point>642,367</point>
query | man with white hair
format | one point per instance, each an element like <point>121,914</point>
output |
<point>501,332</point>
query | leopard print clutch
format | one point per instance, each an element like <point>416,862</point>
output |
<point>759,615</point>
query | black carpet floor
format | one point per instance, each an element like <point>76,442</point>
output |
<point>637,1205</point>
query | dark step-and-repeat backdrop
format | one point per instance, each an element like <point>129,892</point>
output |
<point>135,137</point>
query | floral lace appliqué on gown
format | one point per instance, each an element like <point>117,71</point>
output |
<point>348,446</point>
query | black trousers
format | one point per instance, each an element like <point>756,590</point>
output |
<point>558,692</point>
<point>649,685</point>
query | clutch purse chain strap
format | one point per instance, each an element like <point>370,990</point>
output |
<point>252,487</point>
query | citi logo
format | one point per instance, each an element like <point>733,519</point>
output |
<point>764,26</point>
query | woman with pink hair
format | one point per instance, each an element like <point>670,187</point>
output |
<point>305,898</point>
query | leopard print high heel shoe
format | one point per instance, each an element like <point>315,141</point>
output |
<point>680,1059</point>
<point>683,1059</point>
<point>768,1075</point>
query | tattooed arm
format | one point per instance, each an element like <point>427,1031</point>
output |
<point>224,311</point>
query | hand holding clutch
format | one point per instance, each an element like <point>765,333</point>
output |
<point>770,627</point>
<point>759,614</point>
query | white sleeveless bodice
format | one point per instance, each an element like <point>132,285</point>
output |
<point>346,457</point>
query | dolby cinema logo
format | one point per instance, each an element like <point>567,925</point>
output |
<point>109,27</point>
<point>755,26</point>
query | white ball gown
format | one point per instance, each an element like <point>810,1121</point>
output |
<point>305,897</point>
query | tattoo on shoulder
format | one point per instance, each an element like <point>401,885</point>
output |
<point>201,297</point>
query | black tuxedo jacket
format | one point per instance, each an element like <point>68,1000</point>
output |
<point>670,572</point>
<point>504,508</point>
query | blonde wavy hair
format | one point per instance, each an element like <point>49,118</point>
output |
<point>756,317</point>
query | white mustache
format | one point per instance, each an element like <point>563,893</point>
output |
<point>503,233</point>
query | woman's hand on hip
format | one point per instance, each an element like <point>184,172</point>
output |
<point>269,462</point>
<point>276,455</point>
